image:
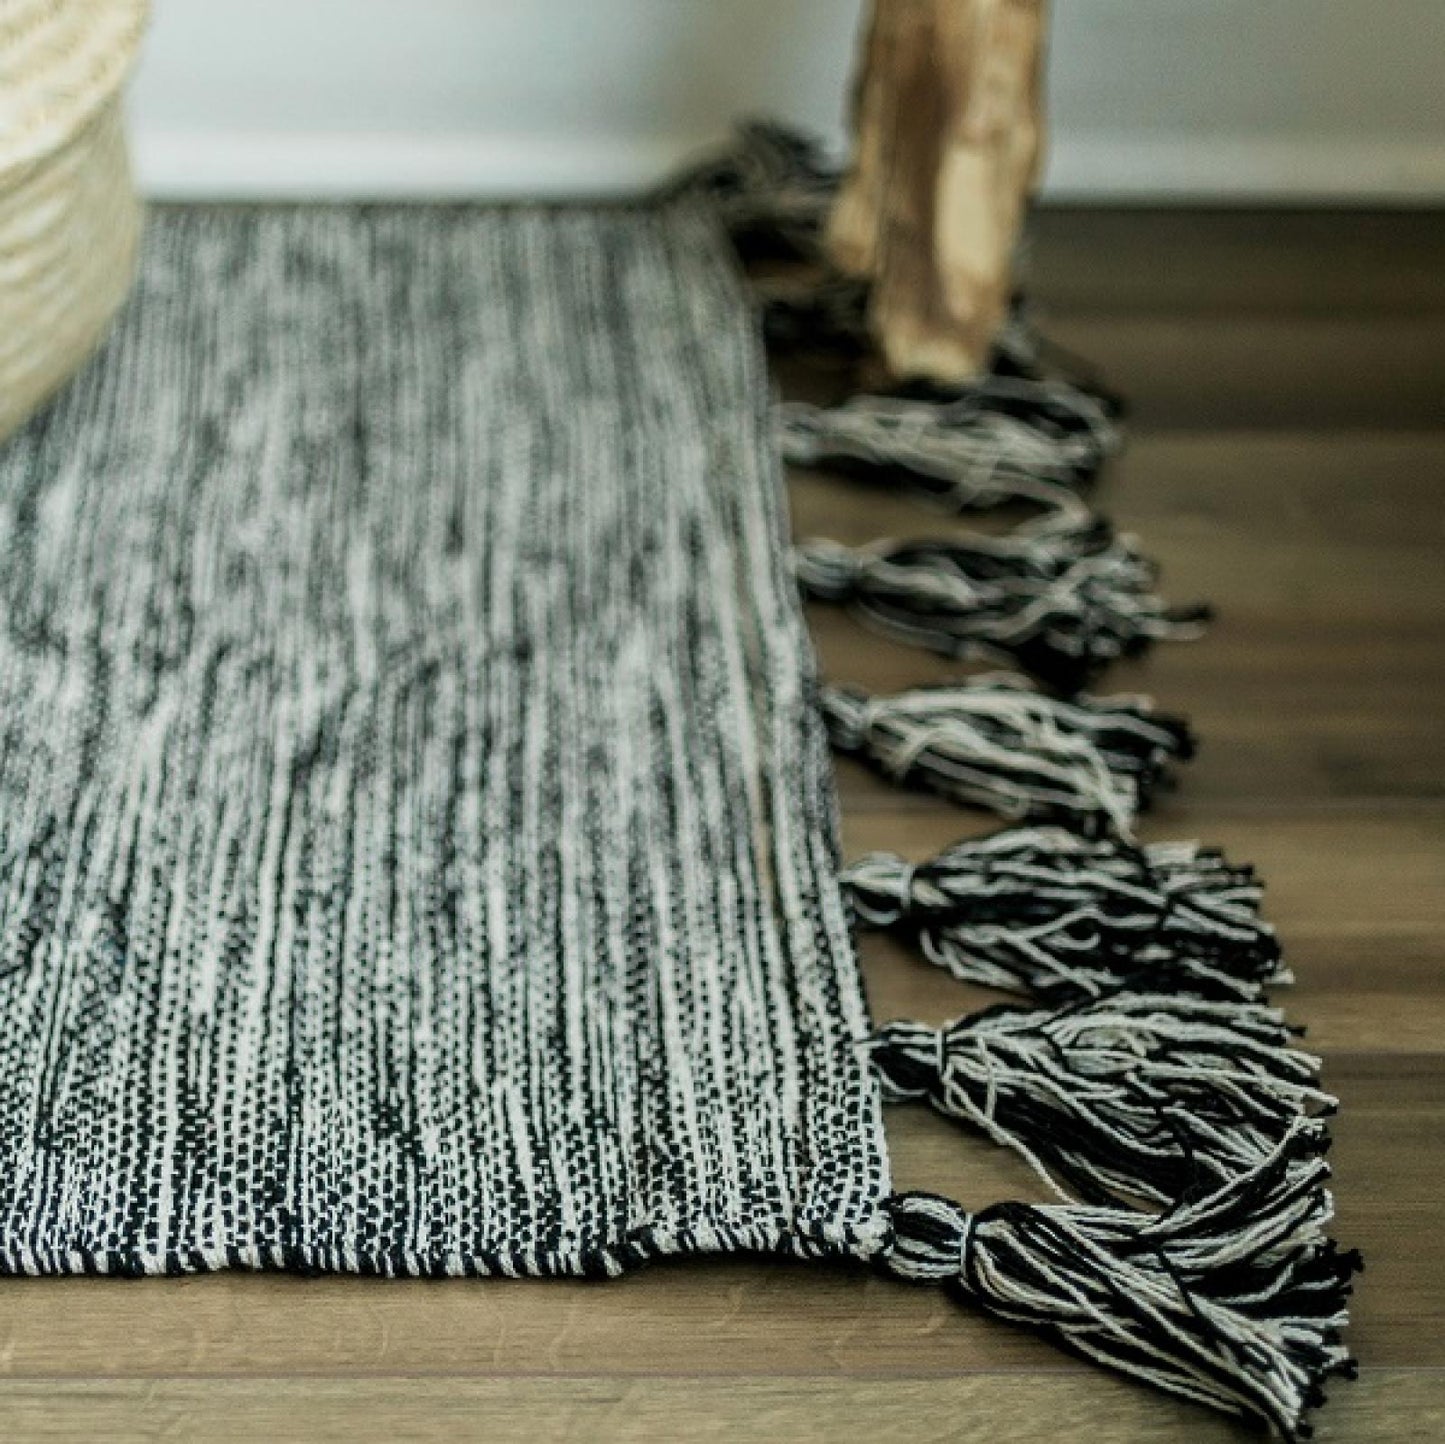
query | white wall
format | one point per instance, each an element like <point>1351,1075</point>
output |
<point>1222,99</point>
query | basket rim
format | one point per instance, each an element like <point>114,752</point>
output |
<point>61,61</point>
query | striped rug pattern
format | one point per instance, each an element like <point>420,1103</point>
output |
<point>418,850</point>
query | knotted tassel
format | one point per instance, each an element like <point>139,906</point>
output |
<point>1059,917</point>
<point>999,439</point>
<point>1235,1299</point>
<point>1061,598</point>
<point>995,741</point>
<point>1021,432</point>
<point>1131,1097</point>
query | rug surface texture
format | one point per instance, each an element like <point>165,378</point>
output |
<point>418,847</point>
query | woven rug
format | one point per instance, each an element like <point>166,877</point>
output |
<point>419,850</point>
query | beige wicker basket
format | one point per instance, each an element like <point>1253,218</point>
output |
<point>69,219</point>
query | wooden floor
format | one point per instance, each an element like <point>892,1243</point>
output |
<point>1288,461</point>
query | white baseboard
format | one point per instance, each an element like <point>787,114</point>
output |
<point>1100,169</point>
<point>230,165</point>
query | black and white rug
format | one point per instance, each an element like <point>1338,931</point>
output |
<point>419,851</point>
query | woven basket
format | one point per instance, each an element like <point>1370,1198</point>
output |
<point>69,219</point>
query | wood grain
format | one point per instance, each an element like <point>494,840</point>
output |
<point>1185,262</point>
<point>1289,461</point>
<point>1331,372</point>
<point>1397,1406</point>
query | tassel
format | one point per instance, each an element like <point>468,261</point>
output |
<point>1236,1299</point>
<point>772,188</point>
<point>1058,917</point>
<point>1002,438</point>
<point>830,316</point>
<point>1061,598</point>
<point>1130,1097</point>
<point>1021,433</point>
<point>1092,762</point>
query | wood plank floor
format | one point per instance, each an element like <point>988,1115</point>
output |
<point>1287,374</point>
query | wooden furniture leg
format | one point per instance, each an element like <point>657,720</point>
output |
<point>948,120</point>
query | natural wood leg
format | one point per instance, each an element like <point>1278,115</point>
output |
<point>949,136</point>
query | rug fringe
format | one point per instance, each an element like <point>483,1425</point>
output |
<point>1058,917</point>
<point>1154,1090</point>
<point>1021,432</point>
<point>1184,1130</point>
<point>772,189</point>
<point>1001,439</point>
<point>1135,1096</point>
<point>1062,597</point>
<point>997,742</point>
<point>1235,1299</point>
